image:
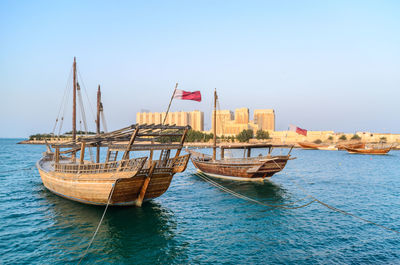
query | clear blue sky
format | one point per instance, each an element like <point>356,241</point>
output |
<point>322,65</point>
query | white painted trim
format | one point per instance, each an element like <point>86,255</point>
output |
<point>233,178</point>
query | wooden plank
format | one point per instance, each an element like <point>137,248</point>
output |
<point>130,144</point>
<point>143,190</point>
<point>83,145</point>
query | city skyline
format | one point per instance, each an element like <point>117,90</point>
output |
<point>319,65</point>
<point>228,122</point>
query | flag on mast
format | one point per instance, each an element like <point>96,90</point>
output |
<point>185,95</point>
<point>298,130</point>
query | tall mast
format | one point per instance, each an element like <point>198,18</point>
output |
<point>98,110</point>
<point>98,122</point>
<point>74,104</point>
<point>215,126</point>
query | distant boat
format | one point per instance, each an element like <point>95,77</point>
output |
<point>328,148</point>
<point>312,146</point>
<point>353,145</point>
<point>369,151</point>
<point>240,169</point>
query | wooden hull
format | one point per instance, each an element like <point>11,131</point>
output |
<point>311,146</point>
<point>382,151</point>
<point>358,145</point>
<point>95,188</point>
<point>243,169</point>
<point>328,148</point>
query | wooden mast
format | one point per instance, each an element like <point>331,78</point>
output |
<point>215,126</point>
<point>74,108</point>
<point>74,104</point>
<point>169,106</point>
<point>98,123</point>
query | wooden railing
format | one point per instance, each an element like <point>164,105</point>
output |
<point>122,165</point>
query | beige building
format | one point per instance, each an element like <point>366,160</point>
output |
<point>181,118</point>
<point>242,116</point>
<point>265,119</point>
<point>223,117</point>
<point>229,124</point>
<point>196,120</point>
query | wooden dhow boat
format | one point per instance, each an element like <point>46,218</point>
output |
<point>369,151</point>
<point>352,145</point>
<point>311,146</point>
<point>126,179</point>
<point>242,169</point>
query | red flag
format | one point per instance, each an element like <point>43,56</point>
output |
<point>185,95</point>
<point>298,130</point>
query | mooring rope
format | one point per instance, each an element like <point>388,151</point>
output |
<point>241,196</point>
<point>337,209</point>
<point>101,220</point>
<point>342,211</point>
<point>18,169</point>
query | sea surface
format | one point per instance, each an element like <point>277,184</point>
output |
<point>195,222</point>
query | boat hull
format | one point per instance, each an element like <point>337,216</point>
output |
<point>311,146</point>
<point>257,170</point>
<point>231,178</point>
<point>382,151</point>
<point>95,189</point>
<point>343,146</point>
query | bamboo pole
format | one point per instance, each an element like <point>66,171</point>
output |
<point>169,106</point>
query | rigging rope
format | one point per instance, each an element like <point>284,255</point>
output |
<point>104,122</point>
<point>83,115</point>
<point>101,220</point>
<point>62,100</point>
<point>64,111</point>
<point>88,99</point>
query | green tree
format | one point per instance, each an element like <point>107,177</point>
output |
<point>197,136</point>
<point>355,137</point>
<point>330,138</point>
<point>245,135</point>
<point>318,141</point>
<point>261,135</point>
<point>343,137</point>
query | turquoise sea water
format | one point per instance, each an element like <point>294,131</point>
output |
<point>195,222</point>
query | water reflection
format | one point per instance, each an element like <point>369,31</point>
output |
<point>266,191</point>
<point>127,233</point>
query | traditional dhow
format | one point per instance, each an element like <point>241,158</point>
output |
<point>311,146</point>
<point>121,179</point>
<point>247,168</point>
<point>129,180</point>
<point>368,151</point>
<point>352,145</point>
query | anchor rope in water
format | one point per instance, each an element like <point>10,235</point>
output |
<point>98,226</point>
<point>15,170</point>
<point>241,196</point>
<point>337,209</point>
